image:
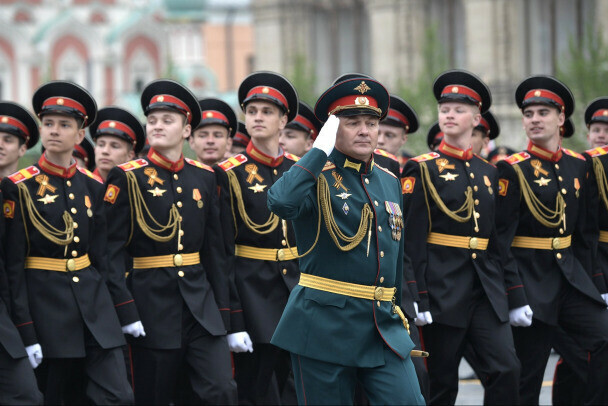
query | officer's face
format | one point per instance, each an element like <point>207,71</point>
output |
<point>166,129</point>
<point>598,135</point>
<point>391,138</point>
<point>210,143</point>
<point>295,141</point>
<point>59,133</point>
<point>458,119</point>
<point>264,120</point>
<point>10,150</point>
<point>479,141</point>
<point>357,136</point>
<point>542,123</point>
<point>111,151</point>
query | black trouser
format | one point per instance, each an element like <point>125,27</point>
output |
<point>493,343</point>
<point>570,376</point>
<point>204,359</point>
<point>17,381</point>
<point>262,375</point>
<point>587,323</point>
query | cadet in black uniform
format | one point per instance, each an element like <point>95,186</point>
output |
<point>299,134</point>
<point>63,293</point>
<point>164,214</point>
<point>18,133</point>
<point>545,221</point>
<point>450,240</point>
<point>263,267</point>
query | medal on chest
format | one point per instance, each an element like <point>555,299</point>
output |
<point>395,219</point>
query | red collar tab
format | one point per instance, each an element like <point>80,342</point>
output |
<point>159,160</point>
<point>56,170</point>
<point>460,89</point>
<point>262,158</point>
<point>81,153</point>
<point>395,115</point>
<point>16,124</point>
<point>485,125</point>
<point>166,100</point>
<point>214,114</point>
<point>269,92</point>
<point>543,153</point>
<point>308,124</point>
<point>353,101</point>
<point>118,126</point>
<point>601,113</point>
<point>64,102</point>
<point>545,94</point>
<point>454,152</point>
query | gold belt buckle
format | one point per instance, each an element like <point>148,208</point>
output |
<point>280,255</point>
<point>378,293</point>
<point>556,243</point>
<point>178,260</point>
<point>473,242</point>
<point>71,265</point>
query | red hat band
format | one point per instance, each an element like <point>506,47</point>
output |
<point>460,89</point>
<point>214,114</point>
<point>242,138</point>
<point>354,102</point>
<point>64,102</point>
<point>395,115</point>
<point>306,123</point>
<point>116,126</point>
<point>13,122</point>
<point>172,101</point>
<point>81,151</point>
<point>267,91</point>
<point>601,113</point>
<point>546,94</point>
<point>485,125</point>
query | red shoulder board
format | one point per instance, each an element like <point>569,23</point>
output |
<point>233,162</point>
<point>329,165</point>
<point>129,166</point>
<point>198,164</point>
<point>386,170</point>
<point>517,158</point>
<point>90,174</point>
<point>24,174</point>
<point>573,153</point>
<point>597,151</point>
<point>386,154</point>
<point>484,160</point>
<point>292,157</point>
<point>426,157</point>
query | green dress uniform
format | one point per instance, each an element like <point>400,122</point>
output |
<point>343,322</point>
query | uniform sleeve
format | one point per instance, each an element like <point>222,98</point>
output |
<point>16,251</point>
<point>507,220</point>
<point>4,291</point>
<point>115,201</point>
<point>594,205</point>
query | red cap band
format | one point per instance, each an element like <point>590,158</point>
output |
<point>394,114</point>
<point>242,138</point>
<point>207,114</point>
<point>600,113</point>
<point>82,152</point>
<point>117,125</point>
<point>485,124</point>
<point>64,101</point>
<point>306,123</point>
<point>12,121</point>
<point>354,102</point>
<point>269,91</point>
<point>460,89</point>
<point>167,98</point>
<point>545,94</point>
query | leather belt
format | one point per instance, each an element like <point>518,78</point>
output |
<point>381,293</point>
<point>603,236</point>
<point>166,261</point>
<point>458,241</point>
<point>542,243</point>
<point>58,265</point>
<point>265,254</point>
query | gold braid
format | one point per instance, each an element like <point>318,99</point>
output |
<point>541,213</point>
<point>602,184</point>
<point>51,233</point>
<point>235,192</point>
<point>138,204</point>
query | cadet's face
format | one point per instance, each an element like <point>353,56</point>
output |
<point>542,123</point>
<point>391,138</point>
<point>210,143</point>
<point>598,135</point>
<point>458,119</point>
<point>479,141</point>
<point>59,134</point>
<point>166,129</point>
<point>295,141</point>
<point>111,151</point>
<point>264,120</point>
<point>357,136</point>
<point>10,150</point>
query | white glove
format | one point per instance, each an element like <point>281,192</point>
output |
<point>326,140</point>
<point>521,316</point>
<point>605,297</point>
<point>135,329</point>
<point>239,342</point>
<point>34,353</point>
<point>416,307</point>
<point>424,318</point>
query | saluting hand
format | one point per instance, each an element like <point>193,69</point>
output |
<point>326,140</point>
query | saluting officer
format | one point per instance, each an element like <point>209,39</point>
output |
<point>163,213</point>
<point>544,220</point>
<point>64,296</point>
<point>214,135</point>
<point>264,270</point>
<point>450,239</point>
<point>299,134</point>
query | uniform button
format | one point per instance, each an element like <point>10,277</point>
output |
<point>564,191</point>
<point>467,164</point>
<point>75,225</point>
<point>473,255</point>
<point>380,228</point>
<point>179,189</point>
<point>561,231</point>
<point>556,166</point>
<point>71,196</point>
<point>382,254</point>
<point>476,202</point>
<point>74,253</point>
<point>76,239</point>
<point>283,243</point>
<point>378,303</point>
<point>475,188</point>
<point>180,247</point>
<point>376,202</point>
<point>181,274</point>
<point>179,204</point>
<point>559,256</point>
<point>472,175</point>
<point>367,181</point>
<point>175,176</point>
<point>560,178</point>
<point>69,183</point>
<point>275,171</point>
<point>284,271</point>
<point>76,279</point>
<point>381,279</point>
<point>73,210</point>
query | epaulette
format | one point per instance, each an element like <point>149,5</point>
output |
<point>198,164</point>
<point>386,154</point>
<point>485,160</point>
<point>233,162</point>
<point>90,174</point>
<point>386,170</point>
<point>129,166</point>
<point>292,157</point>
<point>24,174</point>
<point>517,158</point>
<point>328,165</point>
<point>426,157</point>
<point>573,153</point>
<point>597,151</point>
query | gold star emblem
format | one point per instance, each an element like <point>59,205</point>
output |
<point>5,119</point>
<point>542,181</point>
<point>156,192</point>
<point>449,176</point>
<point>455,89</point>
<point>362,88</point>
<point>160,98</point>
<point>209,115</point>
<point>257,188</point>
<point>344,195</point>
<point>112,124</point>
<point>48,199</point>
<point>60,102</point>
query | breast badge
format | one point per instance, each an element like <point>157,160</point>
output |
<point>257,188</point>
<point>449,176</point>
<point>488,183</point>
<point>395,219</point>
<point>338,181</point>
<point>252,170</point>
<point>43,181</point>
<point>153,177</point>
<point>156,192</point>
<point>538,168</point>
<point>444,164</point>
<point>542,181</point>
<point>87,203</point>
<point>196,195</point>
<point>345,208</point>
<point>48,199</point>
